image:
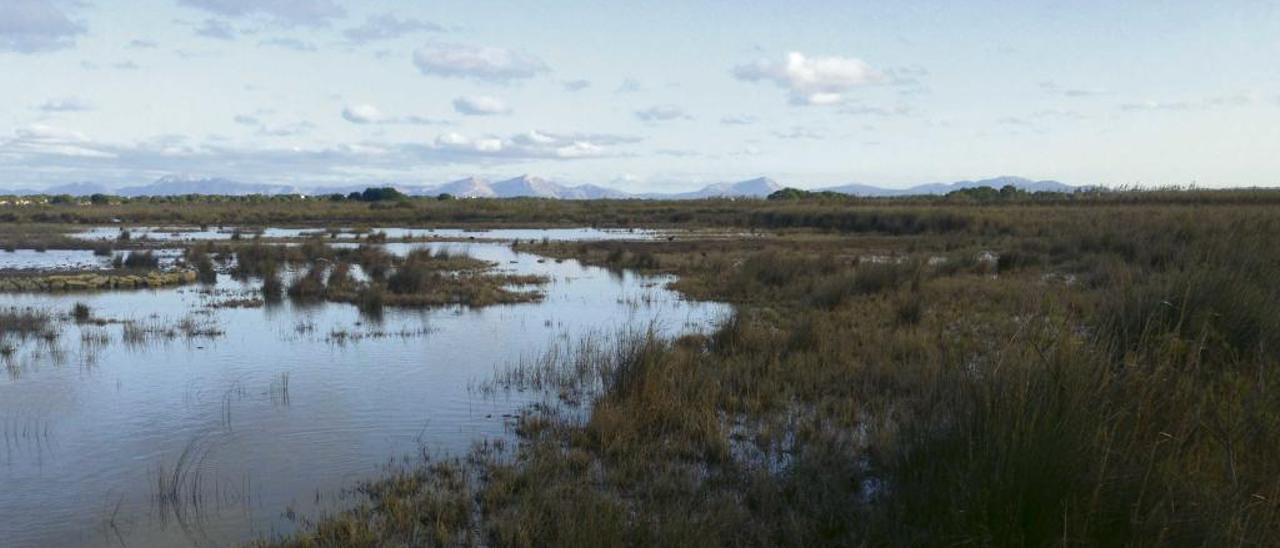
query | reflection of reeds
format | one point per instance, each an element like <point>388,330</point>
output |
<point>186,493</point>
<point>279,389</point>
<point>25,434</point>
<point>341,336</point>
<point>179,491</point>
<point>139,333</point>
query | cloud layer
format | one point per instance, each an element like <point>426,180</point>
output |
<point>38,145</point>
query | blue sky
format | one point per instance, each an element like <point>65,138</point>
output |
<point>641,96</point>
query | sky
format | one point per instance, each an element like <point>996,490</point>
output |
<point>640,96</point>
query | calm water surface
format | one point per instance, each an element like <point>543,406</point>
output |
<point>276,414</point>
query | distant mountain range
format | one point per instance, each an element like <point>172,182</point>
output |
<point>1020,183</point>
<point>528,186</point>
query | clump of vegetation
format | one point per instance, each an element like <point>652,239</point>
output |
<point>374,260</point>
<point>422,278</point>
<point>141,260</point>
<point>24,323</point>
<point>139,333</point>
<point>81,312</point>
<point>340,278</point>
<point>310,286</point>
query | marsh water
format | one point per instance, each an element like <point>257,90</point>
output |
<point>259,415</point>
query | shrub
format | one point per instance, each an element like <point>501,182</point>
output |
<point>141,260</point>
<point>309,286</point>
<point>81,312</point>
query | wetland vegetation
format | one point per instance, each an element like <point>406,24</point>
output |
<point>1031,375</point>
<point>1092,369</point>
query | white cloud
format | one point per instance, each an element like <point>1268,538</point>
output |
<point>31,26</point>
<point>811,80</point>
<point>535,138</point>
<point>45,140</point>
<point>480,105</point>
<point>387,27</point>
<point>477,62</point>
<point>68,104</point>
<point>42,132</point>
<point>286,12</point>
<point>662,113</point>
<point>363,114</point>
<point>369,114</point>
<point>580,149</point>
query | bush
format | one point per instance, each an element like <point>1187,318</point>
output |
<point>139,260</point>
<point>81,312</point>
<point>309,286</point>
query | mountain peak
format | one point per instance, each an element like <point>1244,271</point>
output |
<point>527,185</point>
